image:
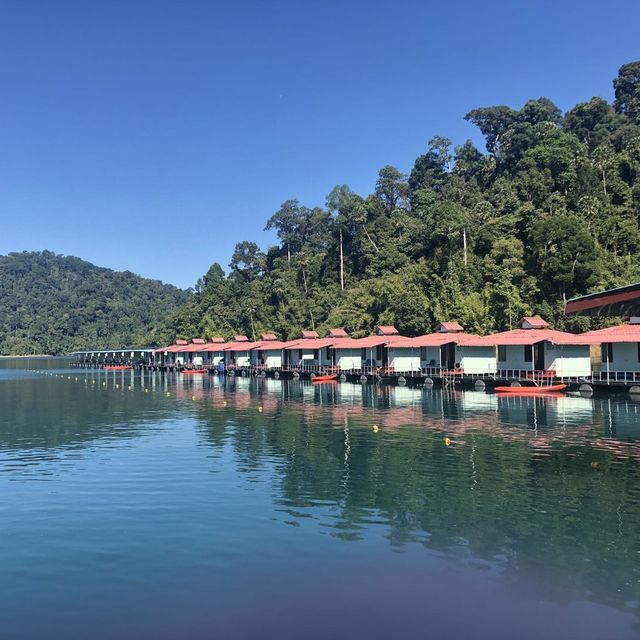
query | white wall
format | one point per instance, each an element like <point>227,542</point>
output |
<point>568,360</point>
<point>433,353</point>
<point>515,358</point>
<point>243,358</point>
<point>478,359</point>
<point>198,359</point>
<point>216,356</point>
<point>308,357</point>
<point>625,357</point>
<point>272,357</point>
<point>348,358</point>
<point>404,359</point>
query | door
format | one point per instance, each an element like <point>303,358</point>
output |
<point>538,356</point>
<point>448,356</point>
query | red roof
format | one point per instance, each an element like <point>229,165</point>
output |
<point>240,345</point>
<point>199,346</point>
<point>215,345</point>
<point>197,341</point>
<point>310,334</point>
<point>368,342</point>
<point>182,342</point>
<point>525,337</point>
<point>172,348</point>
<point>536,322</point>
<point>449,326</point>
<point>241,338</point>
<point>433,340</point>
<point>387,330</point>
<point>338,333</point>
<point>269,336</point>
<point>270,345</point>
<point>216,339</point>
<point>619,333</point>
<point>312,343</point>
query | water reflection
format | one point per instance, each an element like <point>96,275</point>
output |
<point>542,494</point>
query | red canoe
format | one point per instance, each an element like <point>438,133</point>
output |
<point>324,378</point>
<point>549,394</point>
<point>527,391</point>
<point>117,368</point>
<point>194,371</point>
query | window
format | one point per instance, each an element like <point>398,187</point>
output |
<point>363,354</point>
<point>528,353</point>
<point>316,354</point>
<point>423,353</point>
<point>607,352</point>
<point>502,353</point>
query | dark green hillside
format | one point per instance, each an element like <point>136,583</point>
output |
<point>548,210</point>
<point>55,304</point>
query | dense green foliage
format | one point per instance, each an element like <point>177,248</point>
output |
<point>550,211</point>
<point>55,304</point>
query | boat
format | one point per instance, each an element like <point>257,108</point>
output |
<point>118,367</point>
<point>192,371</point>
<point>327,378</point>
<point>527,391</point>
<point>547,394</point>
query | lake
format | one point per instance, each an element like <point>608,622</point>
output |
<point>168,506</point>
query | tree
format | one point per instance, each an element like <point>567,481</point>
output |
<point>391,189</point>
<point>493,122</point>
<point>247,260</point>
<point>627,91</point>
<point>564,255</point>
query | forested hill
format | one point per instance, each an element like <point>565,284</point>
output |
<point>56,304</point>
<point>548,210</point>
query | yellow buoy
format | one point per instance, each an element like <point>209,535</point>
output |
<point>447,442</point>
<point>129,387</point>
<point>375,428</point>
<point>260,409</point>
<point>595,465</point>
<point>193,397</point>
<point>168,394</point>
<point>146,390</point>
<point>224,403</point>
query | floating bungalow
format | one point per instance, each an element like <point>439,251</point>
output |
<point>194,354</point>
<point>268,353</point>
<point>619,346</point>
<point>432,353</point>
<point>214,351</point>
<point>169,356</point>
<point>533,348</point>
<point>238,352</point>
<point>308,351</point>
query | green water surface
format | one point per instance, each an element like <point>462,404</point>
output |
<point>167,506</point>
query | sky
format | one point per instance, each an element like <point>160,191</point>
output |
<point>152,136</point>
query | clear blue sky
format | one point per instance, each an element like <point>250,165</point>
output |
<point>152,135</point>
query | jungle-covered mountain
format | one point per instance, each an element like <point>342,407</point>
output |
<point>56,304</point>
<point>548,210</point>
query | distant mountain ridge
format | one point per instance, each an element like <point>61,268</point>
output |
<point>55,304</point>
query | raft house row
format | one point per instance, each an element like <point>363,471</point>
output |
<point>531,354</point>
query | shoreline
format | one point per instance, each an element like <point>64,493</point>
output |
<point>35,355</point>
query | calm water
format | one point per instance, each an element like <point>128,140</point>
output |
<point>272,509</point>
